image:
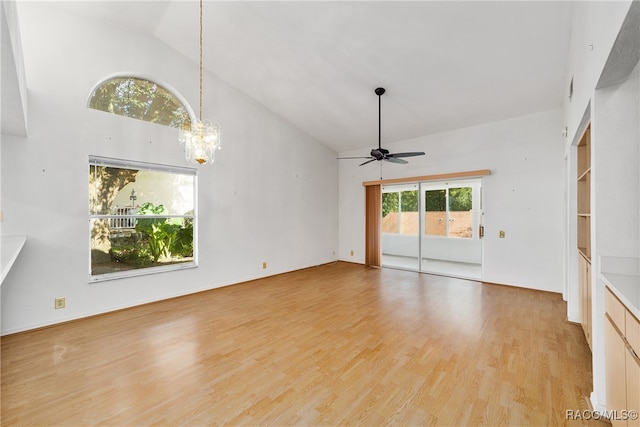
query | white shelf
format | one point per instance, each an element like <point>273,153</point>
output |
<point>10,249</point>
<point>583,175</point>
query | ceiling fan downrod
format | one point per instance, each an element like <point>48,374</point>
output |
<point>378,154</point>
<point>380,91</point>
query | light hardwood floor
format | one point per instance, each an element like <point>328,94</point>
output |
<point>339,344</point>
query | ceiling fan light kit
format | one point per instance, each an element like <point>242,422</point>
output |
<point>381,153</point>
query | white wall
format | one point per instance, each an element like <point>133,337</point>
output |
<point>14,86</point>
<point>595,29</point>
<point>271,195</point>
<point>595,26</point>
<point>524,195</point>
<point>616,146</point>
<point>615,198</point>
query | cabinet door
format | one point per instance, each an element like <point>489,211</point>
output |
<point>584,281</point>
<point>633,385</point>
<point>588,303</point>
<point>615,355</point>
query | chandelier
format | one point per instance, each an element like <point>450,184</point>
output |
<point>202,138</point>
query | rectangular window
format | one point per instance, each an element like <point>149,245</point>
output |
<point>390,212</point>
<point>141,217</point>
<point>400,209</point>
<point>435,212</point>
<point>448,212</point>
<point>460,212</point>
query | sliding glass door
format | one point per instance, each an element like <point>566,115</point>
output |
<point>401,226</point>
<point>450,242</point>
<point>433,227</point>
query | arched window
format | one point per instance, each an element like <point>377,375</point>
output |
<point>142,99</point>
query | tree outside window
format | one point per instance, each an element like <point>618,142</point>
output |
<point>141,218</point>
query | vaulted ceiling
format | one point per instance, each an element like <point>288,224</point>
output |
<point>445,65</point>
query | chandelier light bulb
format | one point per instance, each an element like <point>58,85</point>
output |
<point>201,141</point>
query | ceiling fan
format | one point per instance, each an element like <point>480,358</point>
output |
<point>381,153</point>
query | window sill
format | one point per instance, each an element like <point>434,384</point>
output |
<point>141,272</point>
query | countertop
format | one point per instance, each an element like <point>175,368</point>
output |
<point>10,249</point>
<point>622,276</point>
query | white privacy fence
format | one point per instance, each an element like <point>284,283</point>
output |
<point>122,218</point>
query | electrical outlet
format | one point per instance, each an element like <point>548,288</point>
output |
<point>59,303</point>
<point>501,234</point>
<point>264,264</point>
<point>351,253</point>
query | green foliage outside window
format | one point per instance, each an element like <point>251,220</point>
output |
<point>460,199</point>
<point>183,244</point>
<point>140,99</point>
<point>389,203</point>
<point>409,201</point>
<point>165,236</point>
<point>436,201</point>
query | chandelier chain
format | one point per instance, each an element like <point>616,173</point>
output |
<point>200,115</point>
<point>201,138</point>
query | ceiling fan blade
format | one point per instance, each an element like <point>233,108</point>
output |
<point>394,160</point>
<point>368,161</point>
<point>363,157</point>
<point>408,154</point>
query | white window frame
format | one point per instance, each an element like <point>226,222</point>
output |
<point>476,202</point>
<point>137,165</point>
<point>400,188</point>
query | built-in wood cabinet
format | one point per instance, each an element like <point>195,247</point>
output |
<point>584,281</point>
<point>622,364</point>
<point>632,365</point>
<point>584,230</point>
